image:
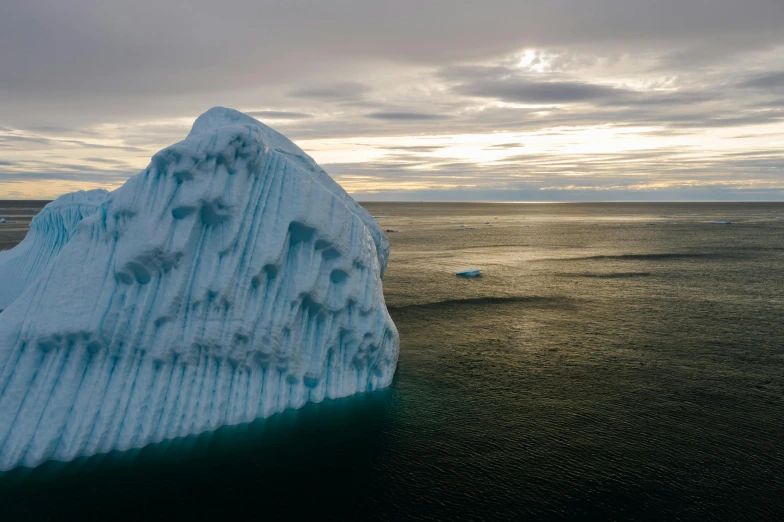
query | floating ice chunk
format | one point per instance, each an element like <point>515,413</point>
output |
<point>229,280</point>
<point>725,222</point>
<point>471,272</point>
<point>2,220</point>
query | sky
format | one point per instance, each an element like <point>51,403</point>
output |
<point>512,100</point>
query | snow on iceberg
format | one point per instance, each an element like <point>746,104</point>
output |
<point>231,279</point>
<point>49,231</point>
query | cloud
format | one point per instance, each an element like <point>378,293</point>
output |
<point>58,130</point>
<point>279,115</point>
<point>503,84</point>
<point>25,139</point>
<point>130,77</point>
<point>406,116</point>
<point>554,92</point>
<point>108,161</point>
<point>504,146</point>
<point>332,92</point>
<point>69,173</point>
<point>768,81</point>
<point>12,138</point>
<point>758,118</point>
<point>134,57</point>
<point>416,148</point>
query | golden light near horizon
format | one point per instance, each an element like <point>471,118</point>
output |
<point>483,150</point>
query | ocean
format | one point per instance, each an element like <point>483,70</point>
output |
<point>618,361</point>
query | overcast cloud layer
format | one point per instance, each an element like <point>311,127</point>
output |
<point>512,100</point>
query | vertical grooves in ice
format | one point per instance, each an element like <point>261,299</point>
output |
<point>49,231</point>
<point>228,281</point>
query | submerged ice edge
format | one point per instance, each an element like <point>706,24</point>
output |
<point>223,283</point>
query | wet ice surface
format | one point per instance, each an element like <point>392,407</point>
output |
<point>600,368</point>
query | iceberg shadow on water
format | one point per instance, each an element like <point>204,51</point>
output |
<point>251,448</point>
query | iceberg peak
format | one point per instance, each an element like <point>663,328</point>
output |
<point>233,124</point>
<point>220,117</point>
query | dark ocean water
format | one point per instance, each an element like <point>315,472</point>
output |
<point>614,362</point>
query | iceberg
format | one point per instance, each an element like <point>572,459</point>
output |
<point>471,272</point>
<point>229,280</point>
<point>49,231</point>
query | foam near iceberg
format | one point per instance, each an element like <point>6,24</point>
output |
<point>231,279</point>
<point>49,231</point>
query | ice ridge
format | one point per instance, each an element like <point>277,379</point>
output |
<point>49,231</point>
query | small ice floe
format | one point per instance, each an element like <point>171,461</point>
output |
<point>381,217</point>
<point>724,222</point>
<point>471,272</point>
<point>694,214</point>
<point>779,218</point>
<point>2,220</point>
<point>391,230</point>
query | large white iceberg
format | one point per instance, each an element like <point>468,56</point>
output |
<point>231,279</point>
<point>49,231</point>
